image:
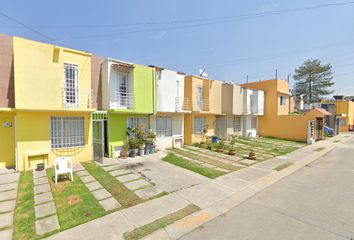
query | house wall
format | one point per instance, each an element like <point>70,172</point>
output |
<point>277,122</point>
<point>177,130</point>
<point>227,98</point>
<point>347,108</point>
<point>189,136</point>
<point>33,136</point>
<point>39,74</point>
<point>7,92</point>
<point>96,82</point>
<point>7,139</point>
<point>169,86</point>
<point>215,101</point>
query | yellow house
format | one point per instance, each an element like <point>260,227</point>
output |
<point>7,103</point>
<point>343,111</point>
<point>206,104</point>
<point>53,102</point>
<point>280,121</point>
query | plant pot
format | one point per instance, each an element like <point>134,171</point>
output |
<point>141,152</point>
<point>252,155</point>
<point>232,152</point>
<point>136,150</point>
<point>220,150</point>
<point>152,149</point>
<point>132,153</point>
<point>147,149</point>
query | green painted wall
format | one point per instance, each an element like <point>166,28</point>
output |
<point>144,105</point>
<point>143,90</point>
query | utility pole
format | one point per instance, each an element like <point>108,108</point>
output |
<point>246,78</point>
<point>276,73</point>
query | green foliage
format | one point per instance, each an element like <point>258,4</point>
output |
<point>313,80</point>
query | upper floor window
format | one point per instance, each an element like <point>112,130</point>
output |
<point>71,84</point>
<point>282,100</point>
<point>67,132</point>
<point>164,126</point>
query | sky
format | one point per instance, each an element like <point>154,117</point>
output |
<point>221,36</point>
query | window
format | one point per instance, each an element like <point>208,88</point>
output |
<point>199,124</point>
<point>200,97</point>
<point>164,126</point>
<point>282,100</point>
<point>237,124</point>
<point>134,122</point>
<point>67,132</point>
<point>71,94</point>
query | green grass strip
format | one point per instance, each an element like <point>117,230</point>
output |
<point>283,166</point>
<point>24,216</point>
<point>75,204</point>
<point>207,160</point>
<point>124,196</point>
<point>147,229</point>
<point>180,162</point>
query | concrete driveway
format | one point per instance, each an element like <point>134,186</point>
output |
<point>317,202</point>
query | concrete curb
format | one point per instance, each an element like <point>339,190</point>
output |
<point>193,221</point>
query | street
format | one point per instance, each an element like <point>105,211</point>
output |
<point>316,202</point>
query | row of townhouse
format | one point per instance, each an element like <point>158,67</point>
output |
<point>57,101</point>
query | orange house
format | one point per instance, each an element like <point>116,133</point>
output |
<point>279,119</point>
<point>205,98</point>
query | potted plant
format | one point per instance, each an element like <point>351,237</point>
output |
<point>147,147</point>
<point>232,151</point>
<point>141,146</point>
<point>124,151</point>
<point>133,146</point>
<point>252,155</point>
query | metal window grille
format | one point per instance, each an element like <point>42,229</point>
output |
<point>282,100</point>
<point>164,126</point>
<point>199,124</point>
<point>134,122</point>
<point>67,132</point>
<point>71,89</point>
<point>237,124</point>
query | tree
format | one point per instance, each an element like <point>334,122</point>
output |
<point>313,80</point>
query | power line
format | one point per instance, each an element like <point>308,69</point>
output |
<point>27,27</point>
<point>209,20</point>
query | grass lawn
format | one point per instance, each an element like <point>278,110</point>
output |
<point>24,216</point>
<point>145,230</point>
<point>207,160</point>
<point>180,162</point>
<point>124,196</point>
<point>283,166</point>
<point>74,202</point>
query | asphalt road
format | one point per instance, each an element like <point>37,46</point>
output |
<point>316,202</point>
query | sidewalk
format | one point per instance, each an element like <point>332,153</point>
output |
<point>214,197</point>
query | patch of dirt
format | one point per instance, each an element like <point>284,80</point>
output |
<point>74,199</point>
<point>88,214</point>
<point>60,186</point>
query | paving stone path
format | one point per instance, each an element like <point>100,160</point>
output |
<point>8,192</point>
<point>134,181</point>
<point>107,201</point>
<point>45,211</point>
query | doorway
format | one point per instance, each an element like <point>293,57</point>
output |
<point>100,136</point>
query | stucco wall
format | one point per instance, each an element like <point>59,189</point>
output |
<point>7,139</point>
<point>7,92</point>
<point>39,74</point>
<point>347,108</point>
<point>227,98</point>
<point>96,82</point>
<point>34,138</point>
<point>169,87</point>
<point>189,136</point>
<point>177,130</point>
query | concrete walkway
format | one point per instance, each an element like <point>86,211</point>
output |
<point>215,197</point>
<point>45,211</point>
<point>8,191</point>
<point>107,201</point>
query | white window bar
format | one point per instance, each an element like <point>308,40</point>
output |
<point>237,124</point>
<point>199,124</point>
<point>67,132</point>
<point>71,89</point>
<point>164,126</point>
